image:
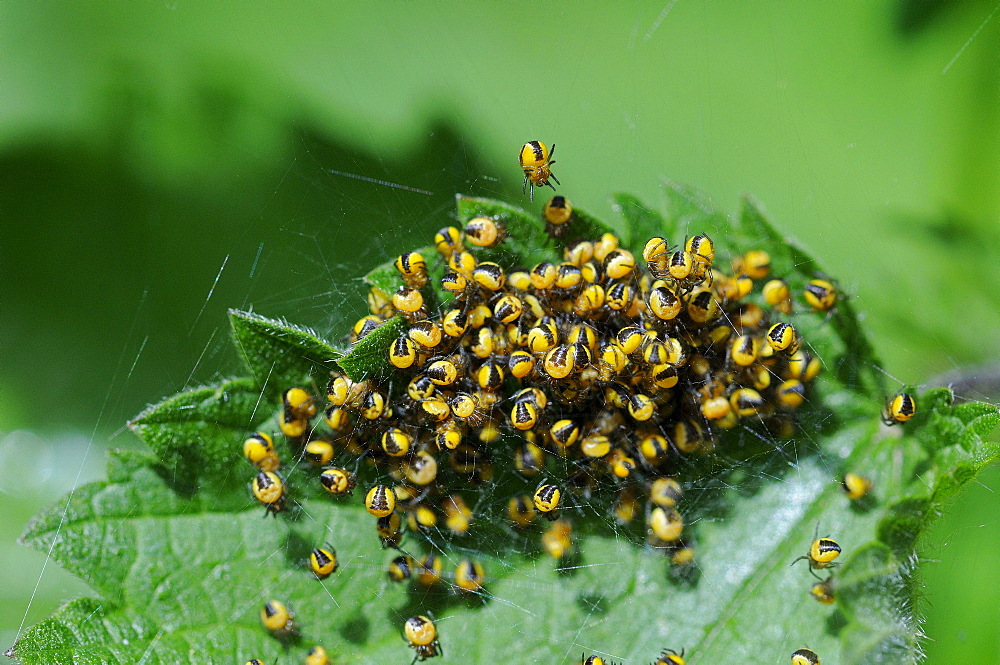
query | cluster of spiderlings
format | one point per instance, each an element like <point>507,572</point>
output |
<point>584,375</point>
<point>559,382</point>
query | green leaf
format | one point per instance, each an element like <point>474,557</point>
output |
<point>385,277</point>
<point>369,356</point>
<point>584,226</point>
<point>182,556</point>
<point>642,223</point>
<point>195,432</point>
<point>180,571</point>
<point>690,212</point>
<point>279,354</point>
<point>527,243</point>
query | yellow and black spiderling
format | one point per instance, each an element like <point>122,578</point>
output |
<point>421,469</point>
<point>823,591</point>
<point>594,660</point>
<point>568,276</point>
<point>524,415</point>
<point>337,481</point>
<point>469,576</point>
<point>595,445</point>
<point>269,488</point>
<point>521,510</point>
<point>586,367</point>
<point>421,634</point>
<point>389,529</point>
<point>457,515</point>
<point>259,451</point>
<point>484,232</point>
<point>665,492</point>
<point>299,404</point>
<point>805,657</point>
<point>821,294</point>
<point>900,408</point>
<point>781,336</point>
<point>489,276</point>
<point>292,424</point>
<point>421,518</point>
<point>409,301</point>
<point>396,442</point>
<point>490,375</point>
<point>447,241</point>
<point>426,334</point>
<point>428,570</point>
<point>856,486</point>
<point>400,569</point>
<point>323,561</point>
<point>547,499</point>
<point>277,618</point>
<point>670,657</point>
<point>683,556</point>
<point>777,293</point>
<point>701,248</point>
<point>791,393</point>
<point>536,162</point>
<point>565,433</point>
<point>557,541</point>
<point>317,656</point>
<point>558,210</point>
<point>665,525</point>
<point>463,263</point>
<point>318,452</point>
<point>822,553</point>
<point>413,268</point>
<point>380,501</point>
<point>756,264</point>
<point>521,364</point>
<point>365,325</point>
<point>336,417</point>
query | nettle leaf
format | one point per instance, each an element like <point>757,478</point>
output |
<point>642,223</point>
<point>279,354</point>
<point>526,243</point>
<point>181,564</point>
<point>584,226</point>
<point>192,433</point>
<point>369,356</point>
<point>690,212</point>
<point>386,278</point>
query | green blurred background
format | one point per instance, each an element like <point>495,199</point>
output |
<point>161,162</point>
